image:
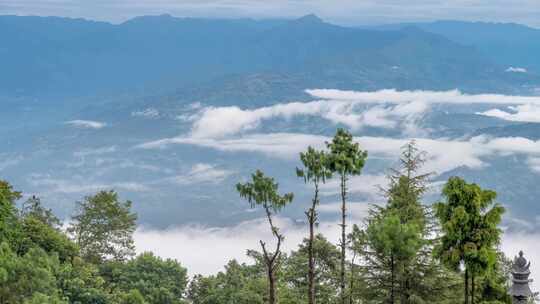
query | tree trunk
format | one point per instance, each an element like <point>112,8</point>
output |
<point>311,273</point>
<point>472,288</point>
<point>403,298</point>
<point>271,285</point>
<point>272,259</point>
<point>312,218</point>
<point>466,286</point>
<point>343,242</point>
<point>351,284</point>
<point>392,279</point>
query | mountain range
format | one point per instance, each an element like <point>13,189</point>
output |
<point>59,57</point>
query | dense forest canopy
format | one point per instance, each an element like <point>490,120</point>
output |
<point>403,251</point>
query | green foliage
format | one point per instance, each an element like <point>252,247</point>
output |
<point>407,187</point>
<point>9,225</point>
<point>37,233</point>
<point>7,194</point>
<point>263,190</point>
<point>132,297</point>
<point>103,227</point>
<point>347,159</point>
<point>158,281</point>
<point>81,283</point>
<point>395,248</point>
<point>345,156</point>
<point>40,264</point>
<point>39,298</point>
<point>24,277</point>
<point>470,229</point>
<point>40,228</point>
<point>34,208</point>
<point>315,166</point>
<point>493,286</point>
<point>326,270</point>
<point>469,219</point>
<point>395,245</point>
<point>239,283</point>
<point>315,171</point>
<point>388,236</point>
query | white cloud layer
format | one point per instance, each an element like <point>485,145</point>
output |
<point>9,161</point>
<point>282,145</point>
<point>366,184</point>
<point>86,124</point>
<point>54,185</point>
<point>534,163</point>
<point>523,113</point>
<point>95,151</point>
<point>202,173</point>
<point>228,128</point>
<point>190,244</point>
<point>443,154</point>
<point>219,122</point>
<point>516,70</point>
<point>388,109</point>
<point>149,113</point>
<point>430,97</point>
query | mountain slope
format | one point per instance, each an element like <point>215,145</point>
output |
<point>508,44</point>
<point>70,57</point>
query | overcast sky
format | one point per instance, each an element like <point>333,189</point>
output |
<point>349,12</point>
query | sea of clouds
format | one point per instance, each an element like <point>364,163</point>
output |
<point>205,250</point>
<point>233,129</point>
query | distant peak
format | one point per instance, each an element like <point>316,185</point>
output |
<point>162,17</point>
<point>311,18</point>
<point>412,28</point>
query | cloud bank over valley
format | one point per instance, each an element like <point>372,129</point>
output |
<point>177,163</point>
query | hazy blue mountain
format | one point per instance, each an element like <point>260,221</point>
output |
<point>508,44</point>
<point>72,57</point>
<point>527,130</point>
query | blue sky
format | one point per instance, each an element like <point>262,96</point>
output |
<point>349,12</point>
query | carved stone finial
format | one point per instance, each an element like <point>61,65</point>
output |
<point>520,291</point>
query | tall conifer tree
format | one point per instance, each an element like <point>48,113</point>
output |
<point>315,171</point>
<point>469,217</point>
<point>263,191</point>
<point>345,159</point>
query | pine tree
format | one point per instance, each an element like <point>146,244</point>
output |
<point>263,191</point>
<point>346,159</point>
<point>315,171</point>
<point>397,245</point>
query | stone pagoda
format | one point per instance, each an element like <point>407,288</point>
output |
<point>520,291</point>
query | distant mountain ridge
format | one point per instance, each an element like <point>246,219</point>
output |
<point>508,44</point>
<point>60,57</point>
